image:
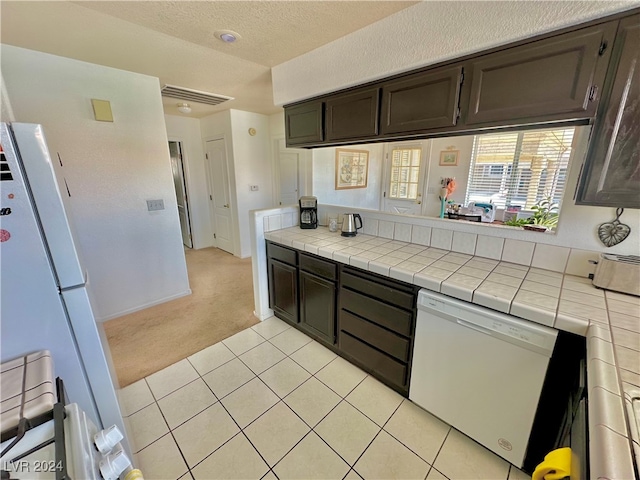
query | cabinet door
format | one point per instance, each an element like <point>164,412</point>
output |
<point>421,101</point>
<point>303,124</point>
<point>354,115</point>
<point>550,77</point>
<point>611,176</point>
<point>283,290</point>
<point>318,306</point>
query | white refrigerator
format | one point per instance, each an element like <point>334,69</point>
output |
<point>44,301</point>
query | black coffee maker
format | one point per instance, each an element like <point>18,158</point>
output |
<point>308,212</point>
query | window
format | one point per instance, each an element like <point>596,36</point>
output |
<point>519,169</point>
<point>405,173</point>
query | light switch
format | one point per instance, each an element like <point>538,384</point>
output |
<point>102,110</point>
<point>153,205</point>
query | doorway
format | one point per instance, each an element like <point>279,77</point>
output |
<point>404,176</point>
<point>292,173</point>
<point>219,197</point>
<point>180,185</point>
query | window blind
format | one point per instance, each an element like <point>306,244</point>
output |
<point>519,169</point>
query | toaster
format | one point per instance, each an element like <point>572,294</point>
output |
<point>619,273</point>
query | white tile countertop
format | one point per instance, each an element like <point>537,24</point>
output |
<point>610,321</point>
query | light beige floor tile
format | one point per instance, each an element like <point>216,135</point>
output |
<point>417,429</point>
<point>211,357</point>
<point>171,378</point>
<point>276,432</point>
<point>284,377</point>
<point>517,474</point>
<point>388,458</point>
<point>184,403</point>
<point>225,379</point>
<point>313,356</point>
<point>262,357</point>
<point>236,459</point>
<point>147,425</point>
<point>311,459</point>
<point>204,433</point>
<point>435,475</point>
<point>341,376</point>
<point>269,476</point>
<point>270,327</point>
<point>347,431</point>
<point>162,460</point>
<point>290,340</point>
<point>312,401</point>
<point>352,475</point>
<point>134,397</point>
<point>249,402</point>
<point>462,458</point>
<point>243,341</point>
<point>375,400</point>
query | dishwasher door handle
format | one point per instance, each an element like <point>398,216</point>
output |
<point>473,326</point>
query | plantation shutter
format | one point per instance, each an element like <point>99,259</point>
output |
<point>405,173</point>
<point>519,168</point>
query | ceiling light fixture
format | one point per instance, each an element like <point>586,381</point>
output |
<point>184,108</point>
<point>227,36</point>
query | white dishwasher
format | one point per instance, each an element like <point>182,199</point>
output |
<point>480,371</point>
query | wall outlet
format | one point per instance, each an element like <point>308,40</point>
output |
<point>153,205</point>
<point>253,188</point>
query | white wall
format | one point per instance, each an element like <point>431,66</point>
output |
<point>424,34</point>
<point>187,131</point>
<point>134,257</point>
<point>324,168</point>
<point>252,165</point>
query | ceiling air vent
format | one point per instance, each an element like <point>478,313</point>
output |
<point>193,95</point>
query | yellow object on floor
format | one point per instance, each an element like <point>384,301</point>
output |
<point>556,465</point>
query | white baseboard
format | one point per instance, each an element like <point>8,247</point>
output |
<point>142,307</point>
<point>267,314</point>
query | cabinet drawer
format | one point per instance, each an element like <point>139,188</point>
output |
<point>388,316</point>
<point>370,358</point>
<point>283,254</point>
<point>382,289</point>
<point>374,335</point>
<point>322,268</point>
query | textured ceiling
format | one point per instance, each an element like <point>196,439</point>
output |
<point>174,41</point>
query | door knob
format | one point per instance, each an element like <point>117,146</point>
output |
<point>226,205</point>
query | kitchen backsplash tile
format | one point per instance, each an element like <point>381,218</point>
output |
<point>578,262</point>
<point>550,257</point>
<point>489,247</point>
<point>402,232</point>
<point>370,226</point>
<point>517,251</point>
<point>441,238</point>
<point>385,229</point>
<point>421,235</point>
<point>275,222</point>
<point>464,242</point>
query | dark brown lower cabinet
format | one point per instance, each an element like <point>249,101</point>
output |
<point>318,306</point>
<point>376,325</point>
<point>283,290</point>
<point>366,318</point>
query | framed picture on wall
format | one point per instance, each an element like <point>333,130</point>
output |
<point>352,168</point>
<point>449,158</point>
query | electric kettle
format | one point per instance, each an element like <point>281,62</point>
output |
<point>349,227</point>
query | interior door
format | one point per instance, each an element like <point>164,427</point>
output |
<point>179,183</point>
<point>404,178</point>
<point>292,173</point>
<point>216,158</point>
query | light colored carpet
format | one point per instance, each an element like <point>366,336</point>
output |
<point>221,305</point>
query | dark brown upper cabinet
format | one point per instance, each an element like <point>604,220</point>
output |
<point>304,123</point>
<point>353,115</point>
<point>421,101</point>
<point>551,79</point>
<point>611,175</point>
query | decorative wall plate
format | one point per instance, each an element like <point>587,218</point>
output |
<point>614,232</point>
